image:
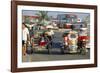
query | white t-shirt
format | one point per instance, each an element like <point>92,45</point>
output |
<point>83,33</point>
<point>25,32</point>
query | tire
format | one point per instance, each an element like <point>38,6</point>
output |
<point>49,48</point>
<point>62,51</point>
<point>83,52</point>
<point>49,51</point>
<point>29,50</point>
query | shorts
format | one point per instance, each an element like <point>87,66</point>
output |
<point>23,42</point>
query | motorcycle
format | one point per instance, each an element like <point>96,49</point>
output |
<point>82,41</point>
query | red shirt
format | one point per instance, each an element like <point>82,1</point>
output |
<point>83,37</point>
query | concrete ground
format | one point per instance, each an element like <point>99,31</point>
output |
<point>43,55</point>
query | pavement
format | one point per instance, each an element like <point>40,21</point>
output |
<point>54,56</point>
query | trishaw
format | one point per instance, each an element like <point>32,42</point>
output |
<point>76,42</point>
<point>70,42</point>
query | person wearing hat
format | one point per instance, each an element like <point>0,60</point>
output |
<point>50,34</point>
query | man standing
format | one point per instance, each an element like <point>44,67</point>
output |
<point>25,37</point>
<point>31,32</point>
<point>50,35</point>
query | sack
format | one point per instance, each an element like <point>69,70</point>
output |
<point>72,42</point>
<point>29,49</point>
<point>42,39</point>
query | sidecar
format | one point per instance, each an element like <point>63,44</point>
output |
<point>72,40</point>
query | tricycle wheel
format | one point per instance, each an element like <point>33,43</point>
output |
<point>49,51</point>
<point>62,51</point>
<point>83,51</point>
<point>48,47</point>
